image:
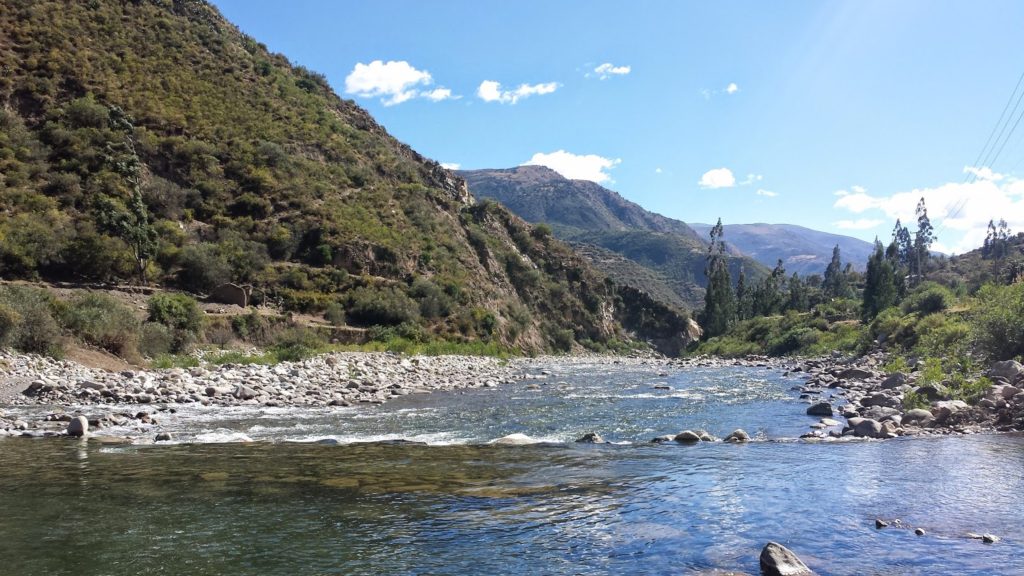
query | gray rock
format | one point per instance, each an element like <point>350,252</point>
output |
<point>879,412</point>
<point>880,399</point>
<point>1010,391</point>
<point>78,427</point>
<point>777,560</point>
<point>868,428</point>
<point>919,531</point>
<point>879,523</point>
<point>1008,369</point>
<point>687,437</point>
<point>856,374</point>
<point>894,381</point>
<point>820,409</point>
<point>738,435</point>
<point>163,437</point>
<point>917,416</point>
<point>943,410</point>
<point>244,393</point>
<point>663,439</point>
<point>590,438</point>
<point>933,392</point>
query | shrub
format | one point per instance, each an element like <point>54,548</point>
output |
<point>335,314</point>
<point>297,344</point>
<point>203,267</point>
<point>9,320</point>
<point>562,340</point>
<point>928,298</point>
<point>37,331</point>
<point>388,306</point>
<point>997,321</point>
<point>176,311</point>
<point>155,340</point>
<point>103,321</point>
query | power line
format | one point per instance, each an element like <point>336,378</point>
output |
<point>996,127</point>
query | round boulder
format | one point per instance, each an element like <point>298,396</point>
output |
<point>590,438</point>
<point>777,560</point>
<point>78,426</point>
<point>687,437</point>
<point>820,409</point>
<point>738,435</point>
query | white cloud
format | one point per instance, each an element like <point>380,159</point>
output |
<point>717,178</point>
<point>860,224</point>
<point>959,211</point>
<point>607,70</point>
<point>766,193</point>
<point>393,82</point>
<point>657,170</point>
<point>451,165</point>
<point>858,189</point>
<point>575,166</point>
<point>732,88</point>
<point>751,178</point>
<point>490,91</point>
<point>983,173</point>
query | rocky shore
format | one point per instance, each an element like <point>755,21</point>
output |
<point>870,400</point>
<point>873,401</point>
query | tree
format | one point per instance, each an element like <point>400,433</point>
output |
<point>798,297</point>
<point>904,244</point>
<point>744,297</point>
<point>719,305</point>
<point>768,297</point>
<point>835,282</point>
<point>880,290</point>
<point>923,239</point>
<point>129,222</point>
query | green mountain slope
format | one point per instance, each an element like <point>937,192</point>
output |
<point>151,140</point>
<point>585,213</point>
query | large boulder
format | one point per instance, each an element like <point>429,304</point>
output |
<point>868,428</point>
<point>943,410</point>
<point>880,399</point>
<point>856,374</point>
<point>517,439</point>
<point>933,392</point>
<point>777,560</point>
<point>590,438</point>
<point>78,426</point>
<point>687,437</point>
<point>894,381</point>
<point>819,409</point>
<point>1009,370</point>
<point>737,435</point>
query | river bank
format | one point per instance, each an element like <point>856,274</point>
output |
<point>135,401</point>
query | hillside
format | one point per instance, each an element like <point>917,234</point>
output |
<point>586,213</point>
<point>153,142</point>
<point>802,250</point>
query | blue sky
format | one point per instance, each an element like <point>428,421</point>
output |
<point>836,115</point>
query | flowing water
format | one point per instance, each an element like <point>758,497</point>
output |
<point>319,493</point>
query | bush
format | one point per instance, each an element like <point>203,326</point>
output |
<point>155,340</point>
<point>335,314</point>
<point>387,306</point>
<point>36,331</point>
<point>176,311</point>
<point>928,298</point>
<point>103,321</point>
<point>562,340</point>
<point>997,321</point>
<point>298,344</point>
<point>9,320</point>
<point>203,267</point>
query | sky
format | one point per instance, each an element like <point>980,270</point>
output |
<point>837,115</point>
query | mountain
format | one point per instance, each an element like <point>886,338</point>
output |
<point>802,250</point>
<point>616,235</point>
<point>150,140</point>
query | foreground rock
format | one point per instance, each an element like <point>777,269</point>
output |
<point>78,426</point>
<point>777,560</point>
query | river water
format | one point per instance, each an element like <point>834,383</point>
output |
<point>329,492</point>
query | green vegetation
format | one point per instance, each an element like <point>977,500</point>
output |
<point>153,142</point>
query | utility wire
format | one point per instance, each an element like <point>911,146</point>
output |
<point>996,127</point>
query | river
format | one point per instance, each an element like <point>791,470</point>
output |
<point>330,492</point>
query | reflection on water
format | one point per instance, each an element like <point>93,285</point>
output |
<point>399,509</point>
<point>462,506</point>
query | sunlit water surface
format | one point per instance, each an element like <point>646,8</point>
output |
<point>292,503</point>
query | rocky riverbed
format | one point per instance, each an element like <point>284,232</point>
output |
<point>857,390</point>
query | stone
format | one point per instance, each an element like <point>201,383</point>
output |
<point>933,392</point>
<point>163,437</point>
<point>820,409</point>
<point>1008,369</point>
<point>777,560</point>
<point>663,439</point>
<point>880,399</point>
<point>829,422</point>
<point>78,427</point>
<point>738,435</point>
<point>856,374</point>
<point>919,531</point>
<point>590,438</point>
<point>943,410</point>
<point>1009,391</point>
<point>244,393</point>
<point>868,428</point>
<point>893,381</point>
<point>687,437</point>
<point>989,538</point>
<point>516,439</point>
<point>917,416</point>
<point>879,523</point>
